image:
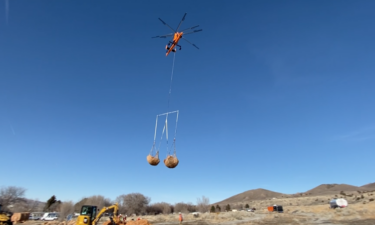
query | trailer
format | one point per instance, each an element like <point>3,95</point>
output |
<point>338,203</point>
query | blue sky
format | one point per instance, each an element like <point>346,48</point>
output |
<point>280,96</point>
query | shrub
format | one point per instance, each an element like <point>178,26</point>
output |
<point>371,199</point>
<point>203,204</point>
<point>66,209</point>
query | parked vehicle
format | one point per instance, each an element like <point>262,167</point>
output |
<point>338,203</point>
<point>275,208</point>
<point>44,216</point>
<point>52,216</point>
<point>36,215</point>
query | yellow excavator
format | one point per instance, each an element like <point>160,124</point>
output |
<point>88,215</point>
<point>5,217</point>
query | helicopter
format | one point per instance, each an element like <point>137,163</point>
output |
<point>177,36</point>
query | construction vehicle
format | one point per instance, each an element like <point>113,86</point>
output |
<point>89,216</point>
<point>5,217</point>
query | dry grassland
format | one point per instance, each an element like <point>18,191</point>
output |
<point>300,210</point>
<point>316,214</point>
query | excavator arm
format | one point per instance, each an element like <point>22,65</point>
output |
<point>105,209</point>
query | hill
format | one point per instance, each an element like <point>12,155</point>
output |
<point>370,186</point>
<point>327,189</point>
<point>256,194</point>
<point>321,190</point>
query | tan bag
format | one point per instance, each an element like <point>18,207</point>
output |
<point>153,160</point>
<point>20,217</point>
<point>171,161</point>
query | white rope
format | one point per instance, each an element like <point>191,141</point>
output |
<point>170,85</point>
<point>168,113</point>
<point>156,126</point>
<point>161,138</point>
<point>153,145</point>
<point>165,128</point>
<point>166,132</point>
<point>175,130</point>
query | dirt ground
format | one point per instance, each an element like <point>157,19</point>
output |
<point>356,214</point>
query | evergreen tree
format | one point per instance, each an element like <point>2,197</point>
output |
<point>212,209</point>
<point>227,208</point>
<point>49,202</point>
<point>218,208</point>
<point>247,206</point>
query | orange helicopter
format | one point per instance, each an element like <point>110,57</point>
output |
<point>177,36</point>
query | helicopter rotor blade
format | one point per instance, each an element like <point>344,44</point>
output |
<point>190,28</point>
<point>163,36</point>
<point>193,31</point>
<point>190,42</point>
<point>167,25</point>
<point>183,18</point>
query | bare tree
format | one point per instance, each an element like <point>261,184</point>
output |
<point>11,195</point>
<point>79,204</point>
<point>19,206</point>
<point>181,207</point>
<point>184,207</point>
<point>203,204</point>
<point>191,207</point>
<point>153,210</point>
<point>159,207</point>
<point>163,207</point>
<point>97,200</point>
<point>167,208</point>
<point>34,205</point>
<point>66,208</point>
<point>135,203</point>
<point>55,207</point>
<point>121,204</point>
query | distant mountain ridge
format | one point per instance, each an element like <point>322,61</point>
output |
<point>323,189</point>
<point>256,194</point>
<point>327,189</point>
<point>369,186</point>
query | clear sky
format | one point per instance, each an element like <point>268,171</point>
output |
<point>279,96</point>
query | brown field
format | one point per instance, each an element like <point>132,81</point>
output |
<point>357,213</point>
<point>301,208</point>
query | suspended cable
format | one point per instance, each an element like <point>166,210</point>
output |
<point>170,85</point>
<point>153,146</point>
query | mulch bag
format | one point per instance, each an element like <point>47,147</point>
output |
<point>153,160</point>
<point>171,161</point>
<point>19,217</point>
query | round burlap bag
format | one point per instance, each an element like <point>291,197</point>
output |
<point>171,161</point>
<point>153,161</point>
